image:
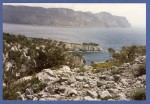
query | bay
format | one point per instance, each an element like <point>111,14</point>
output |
<point>105,37</point>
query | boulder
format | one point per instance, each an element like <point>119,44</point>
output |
<point>8,65</point>
<point>24,68</point>
<point>43,94</point>
<point>73,85</point>
<point>65,69</point>
<point>86,86</point>
<point>138,84</point>
<point>49,72</point>
<point>23,79</point>
<point>92,94</point>
<point>124,82</point>
<point>18,93</point>
<point>88,98</point>
<point>35,98</point>
<point>116,77</point>
<point>99,84</point>
<point>46,78</point>
<point>62,89</point>
<point>111,100</point>
<point>29,97</point>
<point>79,78</point>
<point>59,90</point>
<point>86,67</point>
<point>29,91</point>
<point>139,60</point>
<point>111,90</point>
<point>105,95</point>
<point>93,83</point>
<point>77,98</point>
<point>71,79</point>
<point>110,82</point>
<point>4,85</point>
<point>42,99</point>
<point>17,74</point>
<point>63,79</point>
<point>122,96</point>
<point>23,97</point>
<point>71,91</point>
<point>142,78</point>
<point>134,66</point>
<point>49,89</point>
<point>103,77</point>
<point>126,65</point>
<point>109,86</point>
<point>110,78</point>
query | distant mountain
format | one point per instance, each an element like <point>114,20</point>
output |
<point>61,17</point>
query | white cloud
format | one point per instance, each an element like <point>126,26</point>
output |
<point>135,12</point>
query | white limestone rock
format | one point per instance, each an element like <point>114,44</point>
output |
<point>92,94</point>
<point>105,94</point>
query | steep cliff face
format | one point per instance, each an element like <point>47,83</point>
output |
<point>60,17</point>
<point>81,47</point>
<point>113,21</point>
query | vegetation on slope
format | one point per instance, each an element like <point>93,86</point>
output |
<point>127,54</point>
<point>24,56</point>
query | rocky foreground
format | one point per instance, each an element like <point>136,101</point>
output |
<point>74,84</point>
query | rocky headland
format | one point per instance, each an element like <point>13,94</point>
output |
<point>85,47</point>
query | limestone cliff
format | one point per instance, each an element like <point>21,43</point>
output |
<point>61,17</point>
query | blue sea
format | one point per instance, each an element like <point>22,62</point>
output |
<point>105,37</point>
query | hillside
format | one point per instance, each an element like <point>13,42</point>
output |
<point>41,69</point>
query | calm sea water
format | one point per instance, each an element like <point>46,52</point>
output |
<point>105,37</point>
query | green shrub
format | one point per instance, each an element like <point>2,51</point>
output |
<point>129,53</point>
<point>15,55</point>
<point>111,51</point>
<point>98,67</point>
<point>81,69</point>
<point>9,93</point>
<point>38,87</point>
<point>115,71</point>
<point>138,94</point>
<point>53,54</point>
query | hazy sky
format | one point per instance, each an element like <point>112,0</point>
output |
<point>134,12</point>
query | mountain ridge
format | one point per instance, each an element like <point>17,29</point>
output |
<point>61,17</point>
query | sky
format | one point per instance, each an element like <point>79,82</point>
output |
<point>134,12</point>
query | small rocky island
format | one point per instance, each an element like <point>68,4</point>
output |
<point>41,69</point>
